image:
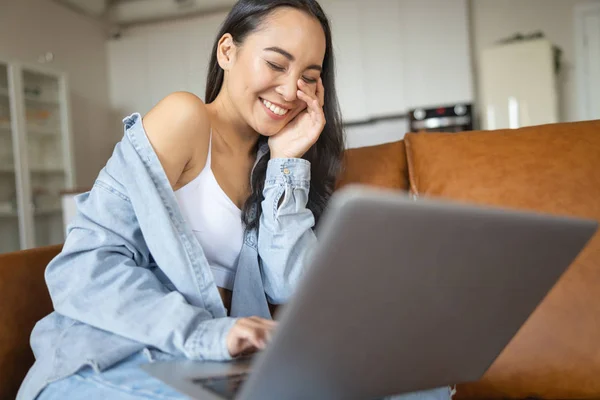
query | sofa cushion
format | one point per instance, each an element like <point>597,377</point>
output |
<point>553,169</point>
<point>24,300</point>
<point>382,165</point>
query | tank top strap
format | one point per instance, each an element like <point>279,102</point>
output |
<point>208,156</point>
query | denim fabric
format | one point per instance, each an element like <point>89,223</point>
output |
<point>127,381</point>
<point>124,381</point>
<point>132,274</point>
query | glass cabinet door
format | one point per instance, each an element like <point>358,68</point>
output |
<point>45,147</point>
<point>9,217</point>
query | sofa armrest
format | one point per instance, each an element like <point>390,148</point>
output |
<point>25,300</point>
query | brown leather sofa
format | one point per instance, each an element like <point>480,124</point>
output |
<point>553,168</point>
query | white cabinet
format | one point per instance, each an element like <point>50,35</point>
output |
<point>436,56</point>
<point>367,42</point>
<point>347,44</point>
<point>35,155</point>
<point>518,85</point>
<point>383,57</point>
<point>395,55</point>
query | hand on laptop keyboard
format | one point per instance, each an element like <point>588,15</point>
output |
<point>249,335</point>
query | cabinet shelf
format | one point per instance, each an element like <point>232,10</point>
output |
<point>35,170</point>
<point>47,170</point>
<point>40,131</point>
<point>35,131</point>
<point>40,100</point>
<point>41,212</point>
<point>31,98</point>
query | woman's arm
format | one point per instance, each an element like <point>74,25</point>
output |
<point>285,234</point>
<point>102,277</point>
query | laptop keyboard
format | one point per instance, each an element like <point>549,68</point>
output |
<point>225,386</point>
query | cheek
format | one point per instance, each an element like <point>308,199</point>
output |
<point>262,79</point>
<point>244,80</point>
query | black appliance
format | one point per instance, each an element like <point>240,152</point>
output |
<point>453,118</point>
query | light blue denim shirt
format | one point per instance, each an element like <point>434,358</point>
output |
<point>132,275</point>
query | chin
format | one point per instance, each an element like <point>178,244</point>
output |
<point>266,130</point>
<point>265,125</point>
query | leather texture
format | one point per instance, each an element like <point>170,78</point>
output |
<point>553,169</point>
<point>24,300</point>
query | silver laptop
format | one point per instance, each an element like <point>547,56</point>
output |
<point>400,296</point>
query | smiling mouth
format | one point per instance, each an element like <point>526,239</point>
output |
<point>278,111</point>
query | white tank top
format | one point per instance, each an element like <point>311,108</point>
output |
<point>216,222</point>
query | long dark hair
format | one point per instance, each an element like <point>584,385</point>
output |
<point>325,155</point>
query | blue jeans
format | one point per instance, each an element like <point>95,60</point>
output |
<point>127,381</point>
<point>124,381</point>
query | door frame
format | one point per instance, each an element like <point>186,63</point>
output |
<point>581,10</point>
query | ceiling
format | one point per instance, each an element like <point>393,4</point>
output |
<point>128,12</point>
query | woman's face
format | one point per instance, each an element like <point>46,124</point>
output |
<point>262,78</point>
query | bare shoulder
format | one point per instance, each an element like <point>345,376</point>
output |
<point>178,128</point>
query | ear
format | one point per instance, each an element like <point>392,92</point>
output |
<point>226,51</point>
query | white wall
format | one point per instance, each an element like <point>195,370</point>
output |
<point>384,131</point>
<point>29,28</point>
<point>150,61</point>
<point>497,19</point>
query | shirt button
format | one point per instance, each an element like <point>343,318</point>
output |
<point>286,171</point>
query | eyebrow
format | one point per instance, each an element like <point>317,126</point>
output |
<point>290,57</point>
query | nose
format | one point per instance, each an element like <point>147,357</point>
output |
<point>288,89</point>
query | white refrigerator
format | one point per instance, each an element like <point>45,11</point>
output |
<point>518,85</point>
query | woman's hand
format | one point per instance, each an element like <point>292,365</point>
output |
<point>303,131</point>
<point>249,335</point>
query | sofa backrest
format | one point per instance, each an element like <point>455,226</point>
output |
<point>383,166</point>
<point>552,169</point>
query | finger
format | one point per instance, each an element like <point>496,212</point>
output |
<point>264,322</point>
<point>249,351</point>
<point>254,336</point>
<point>320,92</point>
<point>307,89</point>
<point>310,101</point>
<point>314,108</point>
<point>246,348</point>
<point>241,346</point>
<point>262,328</point>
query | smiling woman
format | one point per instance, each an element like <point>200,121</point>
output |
<point>202,218</point>
<point>284,48</point>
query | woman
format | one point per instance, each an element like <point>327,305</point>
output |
<point>152,266</point>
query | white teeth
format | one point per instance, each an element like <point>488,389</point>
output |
<point>274,108</point>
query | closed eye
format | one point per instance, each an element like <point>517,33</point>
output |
<point>275,67</point>
<point>279,68</point>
